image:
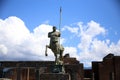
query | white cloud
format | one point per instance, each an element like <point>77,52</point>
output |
<point>72,51</point>
<point>115,48</point>
<point>18,43</point>
<point>91,48</point>
<point>3,49</point>
<point>89,32</point>
<point>72,30</point>
<point>94,29</point>
<point>13,30</point>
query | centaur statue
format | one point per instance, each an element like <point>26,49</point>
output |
<point>55,46</point>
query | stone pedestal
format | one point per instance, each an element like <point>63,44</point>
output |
<point>56,68</point>
<point>54,76</point>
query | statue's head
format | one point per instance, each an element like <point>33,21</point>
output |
<point>54,28</point>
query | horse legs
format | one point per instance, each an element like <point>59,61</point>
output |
<point>61,55</point>
<point>61,52</point>
<point>47,46</point>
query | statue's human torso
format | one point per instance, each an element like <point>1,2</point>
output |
<point>54,36</point>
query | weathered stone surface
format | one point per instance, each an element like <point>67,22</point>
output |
<point>108,69</point>
<point>31,70</point>
<point>54,76</point>
<point>5,79</point>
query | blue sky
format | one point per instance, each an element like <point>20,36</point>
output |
<point>105,12</point>
<point>35,13</point>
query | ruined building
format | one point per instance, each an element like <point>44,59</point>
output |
<point>41,70</point>
<point>108,69</point>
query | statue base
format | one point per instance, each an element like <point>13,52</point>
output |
<point>54,76</point>
<point>57,69</point>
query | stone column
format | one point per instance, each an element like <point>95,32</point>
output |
<point>112,76</point>
<point>18,73</point>
<point>93,76</point>
<point>1,72</point>
<point>37,73</point>
<point>73,76</point>
<point>28,70</point>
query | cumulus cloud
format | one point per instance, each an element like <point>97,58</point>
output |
<point>3,49</point>
<point>87,34</point>
<point>72,30</point>
<point>18,43</point>
<point>72,51</point>
<point>90,47</point>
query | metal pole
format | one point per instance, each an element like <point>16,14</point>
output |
<point>60,21</point>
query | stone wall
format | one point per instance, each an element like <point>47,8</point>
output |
<point>108,69</point>
<point>32,70</point>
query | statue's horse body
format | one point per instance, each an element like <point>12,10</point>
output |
<point>57,49</point>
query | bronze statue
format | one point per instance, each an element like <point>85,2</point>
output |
<point>55,46</point>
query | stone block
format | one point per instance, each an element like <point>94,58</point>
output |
<point>54,76</point>
<point>5,79</point>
